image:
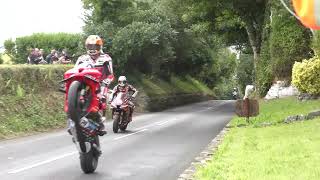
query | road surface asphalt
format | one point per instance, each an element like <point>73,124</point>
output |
<point>156,146</point>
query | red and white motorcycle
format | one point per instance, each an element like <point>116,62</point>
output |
<point>120,112</point>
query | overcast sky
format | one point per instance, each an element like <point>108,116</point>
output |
<point>24,17</point>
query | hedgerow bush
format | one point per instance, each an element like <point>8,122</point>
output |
<point>26,79</point>
<point>306,75</point>
<point>143,46</point>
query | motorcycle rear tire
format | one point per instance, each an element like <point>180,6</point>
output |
<point>116,121</point>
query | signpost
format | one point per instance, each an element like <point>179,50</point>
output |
<point>247,107</point>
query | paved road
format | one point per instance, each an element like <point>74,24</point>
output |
<point>157,146</point>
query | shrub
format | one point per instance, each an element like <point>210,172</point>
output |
<point>9,46</point>
<point>19,80</point>
<point>316,43</point>
<point>142,46</point>
<point>305,75</point>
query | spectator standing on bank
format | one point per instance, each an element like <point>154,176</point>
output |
<point>53,56</point>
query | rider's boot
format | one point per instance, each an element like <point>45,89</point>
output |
<point>101,130</point>
<point>69,124</point>
<point>130,114</point>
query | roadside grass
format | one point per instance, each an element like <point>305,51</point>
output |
<point>175,85</point>
<point>282,151</point>
<point>275,111</point>
<point>23,115</point>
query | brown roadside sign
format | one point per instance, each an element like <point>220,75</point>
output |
<point>247,108</point>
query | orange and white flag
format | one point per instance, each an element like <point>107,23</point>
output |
<point>309,12</point>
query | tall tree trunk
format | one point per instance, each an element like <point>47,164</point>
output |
<point>255,45</point>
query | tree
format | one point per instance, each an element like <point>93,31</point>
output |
<point>238,22</point>
<point>9,46</point>
<point>289,41</point>
<point>252,14</point>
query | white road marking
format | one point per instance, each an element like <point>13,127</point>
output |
<point>162,123</point>
<point>130,134</point>
<point>14,171</point>
<point>1,147</point>
<point>10,158</point>
<point>150,125</point>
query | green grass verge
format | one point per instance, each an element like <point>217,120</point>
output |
<point>31,113</point>
<point>282,151</point>
<point>175,85</point>
<point>274,111</point>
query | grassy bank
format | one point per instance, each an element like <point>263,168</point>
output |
<point>31,113</point>
<point>274,111</point>
<point>30,101</point>
<point>281,151</point>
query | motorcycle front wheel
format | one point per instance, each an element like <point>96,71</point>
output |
<point>116,122</point>
<point>89,160</point>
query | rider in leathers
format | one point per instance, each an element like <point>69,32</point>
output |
<point>103,62</point>
<point>124,87</point>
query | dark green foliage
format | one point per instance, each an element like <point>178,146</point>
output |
<point>156,37</point>
<point>9,45</point>
<point>105,30</point>
<point>119,12</point>
<point>316,43</point>
<point>264,75</point>
<point>245,71</point>
<point>1,60</point>
<point>144,46</point>
<point>289,41</point>
<point>57,41</point>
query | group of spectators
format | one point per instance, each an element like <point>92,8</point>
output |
<point>55,57</point>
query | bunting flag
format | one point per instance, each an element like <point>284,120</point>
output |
<point>309,12</point>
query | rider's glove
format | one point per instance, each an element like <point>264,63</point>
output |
<point>106,82</point>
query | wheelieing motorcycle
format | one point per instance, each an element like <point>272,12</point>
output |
<point>120,112</point>
<point>82,86</point>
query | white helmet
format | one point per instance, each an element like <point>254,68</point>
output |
<point>122,80</point>
<point>93,45</point>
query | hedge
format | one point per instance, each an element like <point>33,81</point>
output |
<point>305,75</point>
<point>30,79</point>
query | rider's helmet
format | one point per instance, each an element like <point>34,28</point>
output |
<point>122,81</point>
<point>93,45</point>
